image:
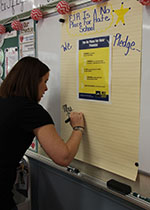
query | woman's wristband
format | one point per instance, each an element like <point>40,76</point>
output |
<point>79,128</point>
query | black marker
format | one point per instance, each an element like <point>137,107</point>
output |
<point>67,120</point>
<point>141,197</point>
<point>73,170</point>
<point>68,111</point>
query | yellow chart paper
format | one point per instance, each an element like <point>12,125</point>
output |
<point>111,139</point>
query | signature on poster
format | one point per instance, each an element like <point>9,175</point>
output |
<point>66,46</point>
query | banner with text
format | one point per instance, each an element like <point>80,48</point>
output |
<point>10,8</point>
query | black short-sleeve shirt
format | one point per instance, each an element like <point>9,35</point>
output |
<point>18,117</point>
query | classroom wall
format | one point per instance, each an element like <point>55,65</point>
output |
<point>41,173</point>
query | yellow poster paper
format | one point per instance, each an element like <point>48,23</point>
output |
<point>111,139</point>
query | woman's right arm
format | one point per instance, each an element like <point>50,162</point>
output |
<point>59,151</point>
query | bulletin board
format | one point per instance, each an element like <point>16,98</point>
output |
<point>9,42</point>
<point>17,44</point>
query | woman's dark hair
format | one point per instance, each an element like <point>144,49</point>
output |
<point>24,78</point>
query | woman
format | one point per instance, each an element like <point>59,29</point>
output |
<point>22,118</point>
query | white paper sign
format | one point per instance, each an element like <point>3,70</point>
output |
<point>26,38</point>
<point>28,27</point>
<point>11,57</point>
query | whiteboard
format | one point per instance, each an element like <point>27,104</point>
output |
<point>144,153</point>
<point>48,48</point>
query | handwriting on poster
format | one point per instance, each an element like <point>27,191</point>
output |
<point>66,46</point>
<point>99,19</point>
<point>118,42</point>
<point>125,43</point>
<point>87,22</point>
